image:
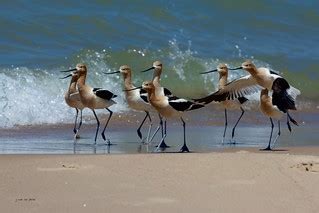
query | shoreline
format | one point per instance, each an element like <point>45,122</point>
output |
<point>203,133</point>
<point>211,115</point>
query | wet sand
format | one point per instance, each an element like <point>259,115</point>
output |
<point>235,180</point>
<point>204,134</point>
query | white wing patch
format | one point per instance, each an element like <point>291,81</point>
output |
<point>246,85</point>
<point>293,92</point>
<point>180,100</point>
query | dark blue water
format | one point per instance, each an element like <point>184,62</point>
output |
<point>43,33</point>
<point>37,38</point>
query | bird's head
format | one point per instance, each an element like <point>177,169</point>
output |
<point>157,66</point>
<point>148,85</point>
<point>80,69</point>
<point>248,65</point>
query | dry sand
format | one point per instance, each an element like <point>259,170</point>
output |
<point>231,181</point>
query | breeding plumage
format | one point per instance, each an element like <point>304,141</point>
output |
<point>170,107</point>
<point>93,98</point>
<point>222,69</point>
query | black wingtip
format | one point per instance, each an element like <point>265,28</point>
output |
<point>292,120</point>
<point>242,100</point>
<point>280,96</point>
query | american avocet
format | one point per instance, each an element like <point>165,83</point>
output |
<point>168,107</point>
<point>136,99</point>
<point>267,107</point>
<point>222,69</point>
<point>283,95</point>
<point>93,98</point>
<point>159,90</point>
<point>72,98</point>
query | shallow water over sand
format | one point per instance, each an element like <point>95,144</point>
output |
<point>204,134</point>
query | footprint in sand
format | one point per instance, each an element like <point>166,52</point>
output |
<point>308,166</point>
<point>63,167</point>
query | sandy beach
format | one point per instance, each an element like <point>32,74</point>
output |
<point>235,180</point>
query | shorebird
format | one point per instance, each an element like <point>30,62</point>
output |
<point>268,109</point>
<point>72,98</point>
<point>136,99</point>
<point>159,90</point>
<point>169,107</point>
<point>222,69</point>
<point>283,95</point>
<point>93,98</point>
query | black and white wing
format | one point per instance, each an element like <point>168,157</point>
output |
<point>181,104</point>
<point>280,96</point>
<point>143,95</point>
<point>167,92</point>
<point>275,72</point>
<point>240,87</point>
<point>246,85</point>
<point>104,94</point>
<point>242,99</point>
<point>282,83</point>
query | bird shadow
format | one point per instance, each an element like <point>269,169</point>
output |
<point>274,150</point>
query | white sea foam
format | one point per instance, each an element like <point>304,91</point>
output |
<point>29,97</point>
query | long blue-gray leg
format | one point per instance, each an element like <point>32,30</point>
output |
<point>80,124</point>
<point>77,135</point>
<point>76,120</point>
<point>184,147</point>
<point>225,126</point>
<point>241,115</point>
<point>97,127</point>
<point>273,145</point>
<point>272,128</point>
<point>163,144</point>
<point>149,127</point>
<point>161,141</point>
<point>107,122</point>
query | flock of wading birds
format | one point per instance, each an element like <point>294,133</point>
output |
<point>277,97</point>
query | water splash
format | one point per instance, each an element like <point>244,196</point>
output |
<point>35,96</point>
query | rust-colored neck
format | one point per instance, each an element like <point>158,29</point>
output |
<point>151,93</point>
<point>81,80</point>
<point>222,80</point>
<point>72,87</point>
<point>157,77</point>
<point>128,80</point>
<point>253,71</point>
